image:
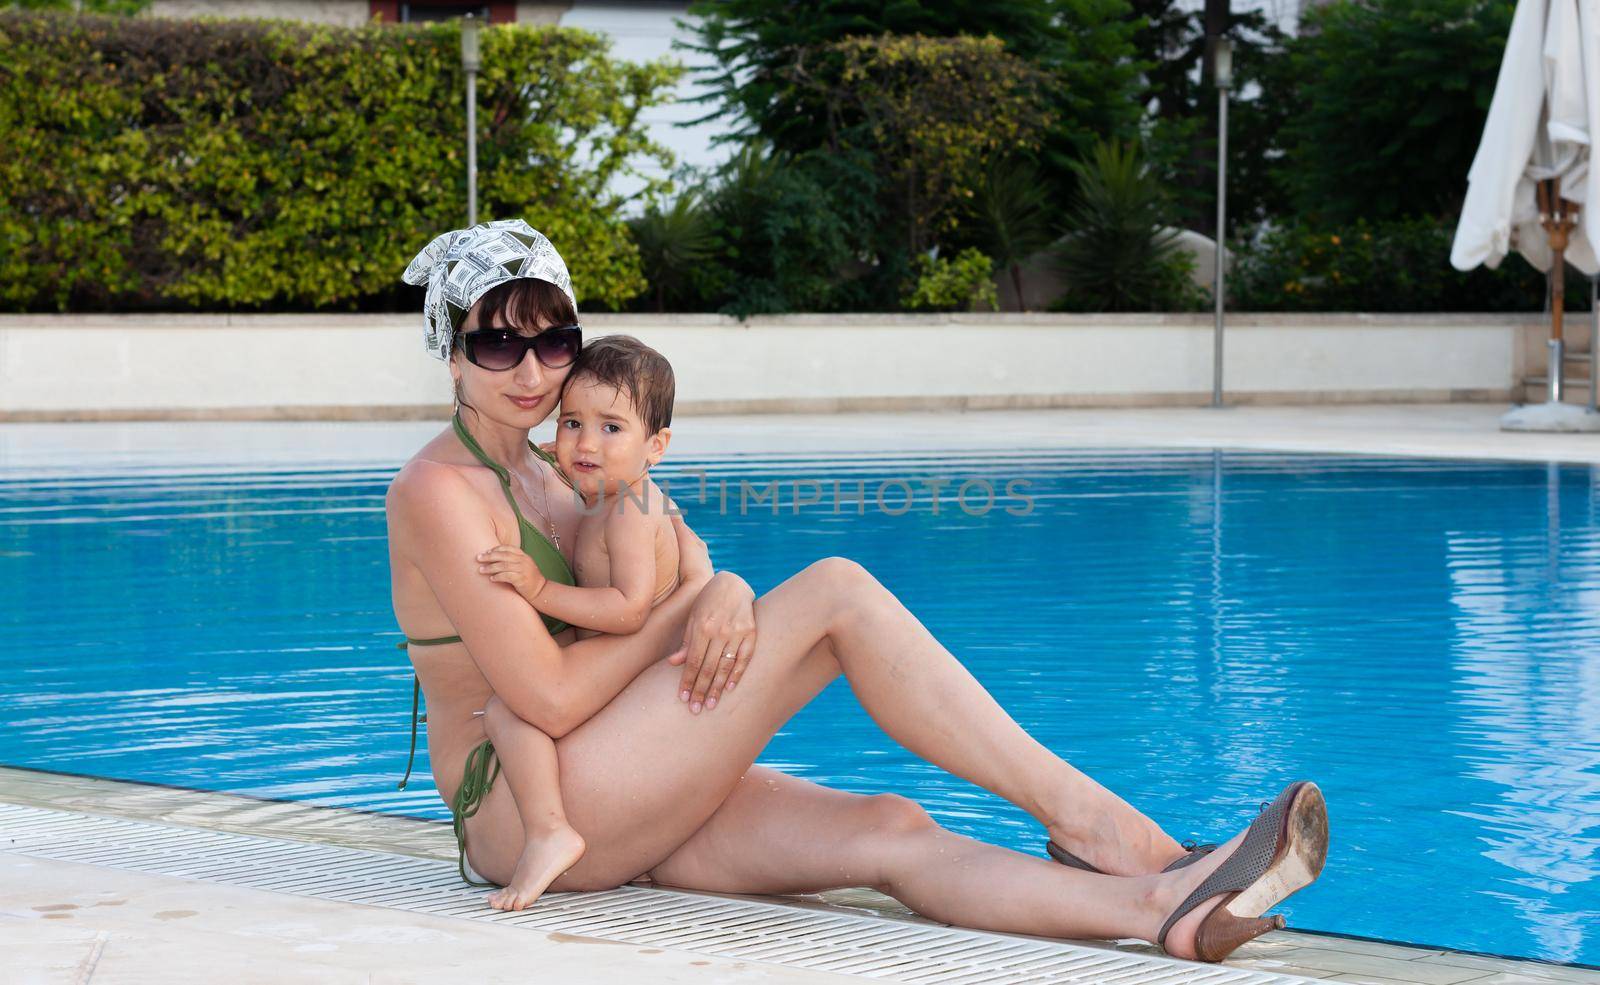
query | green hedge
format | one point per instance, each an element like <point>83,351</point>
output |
<point>1400,265</point>
<point>167,164</point>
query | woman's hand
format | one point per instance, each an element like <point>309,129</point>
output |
<point>718,642</point>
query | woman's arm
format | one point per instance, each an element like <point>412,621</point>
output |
<point>439,523</point>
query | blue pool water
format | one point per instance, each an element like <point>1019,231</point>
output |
<point>1194,629</point>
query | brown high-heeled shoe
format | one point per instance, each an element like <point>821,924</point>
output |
<point>1283,851</point>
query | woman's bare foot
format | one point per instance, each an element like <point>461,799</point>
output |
<point>1301,850</point>
<point>1118,841</point>
<point>543,859</point>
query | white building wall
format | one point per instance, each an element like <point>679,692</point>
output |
<point>645,32</point>
<point>541,13</point>
<point>345,13</point>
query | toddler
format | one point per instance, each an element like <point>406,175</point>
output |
<point>614,425</point>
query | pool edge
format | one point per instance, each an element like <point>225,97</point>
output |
<point>1329,955</point>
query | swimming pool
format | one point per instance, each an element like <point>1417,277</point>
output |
<point>1194,629</point>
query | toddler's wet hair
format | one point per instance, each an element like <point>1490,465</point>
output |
<point>636,370</point>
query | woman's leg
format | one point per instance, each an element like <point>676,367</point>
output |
<point>779,834</point>
<point>927,700</point>
<point>643,774</point>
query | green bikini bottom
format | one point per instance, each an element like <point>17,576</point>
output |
<point>482,769</point>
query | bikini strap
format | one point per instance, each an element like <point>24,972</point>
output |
<point>477,776</point>
<point>416,704</point>
<point>499,470</point>
<point>434,641</point>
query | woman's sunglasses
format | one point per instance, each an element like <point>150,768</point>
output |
<point>502,349</point>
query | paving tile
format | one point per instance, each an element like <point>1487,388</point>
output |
<point>1283,940</point>
<point>40,952</point>
<point>1374,980</point>
<point>1350,963</point>
<point>1275,966</point>
<point>1533,970</point>
<point>1378,949</point>
<point>1524,974</point>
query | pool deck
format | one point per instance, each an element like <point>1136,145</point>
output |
<point>74,921</point>
<point>70,921</point>
<point>1422,430</point>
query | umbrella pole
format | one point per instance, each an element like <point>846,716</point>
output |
<point>1558,216</point>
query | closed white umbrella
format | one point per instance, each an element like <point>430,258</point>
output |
<point>1532,187</point>
<point>1545,112</point>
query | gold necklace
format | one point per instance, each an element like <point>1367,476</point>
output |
<point>544,498</point>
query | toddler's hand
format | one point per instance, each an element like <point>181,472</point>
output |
<point>509,565</point>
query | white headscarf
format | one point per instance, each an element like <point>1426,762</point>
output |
<point>462,265</point>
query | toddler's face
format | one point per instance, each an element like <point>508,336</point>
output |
<point>601,444</point>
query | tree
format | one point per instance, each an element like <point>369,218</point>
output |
<point>1173,44</point>
<point>1083,48</point>
<point>933,113</point>
<point>1394,93</point>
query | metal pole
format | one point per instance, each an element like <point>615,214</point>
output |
<point>469,65</point>
<point>472,148</point>
<point>1558,304</point>
<point>1222,229</point>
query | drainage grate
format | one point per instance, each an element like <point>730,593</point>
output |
<point>871,947</point>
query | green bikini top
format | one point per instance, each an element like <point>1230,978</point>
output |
<point>535,544</point>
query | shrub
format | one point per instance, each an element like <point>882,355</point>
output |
<point>1011,219</point>
<point>962,283</point>
<point>1402,265</point>
<point>1118,254</point>
<point>674,241</point>
<point>257,164</point>
<point>791,234</point>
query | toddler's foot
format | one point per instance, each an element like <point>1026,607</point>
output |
<point>542,861</point>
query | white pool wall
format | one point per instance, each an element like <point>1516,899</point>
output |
<point>129,367</point>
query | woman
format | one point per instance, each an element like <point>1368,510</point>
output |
<point>656,762</point>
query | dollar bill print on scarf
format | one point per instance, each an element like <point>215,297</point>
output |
<point>462,265</point>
